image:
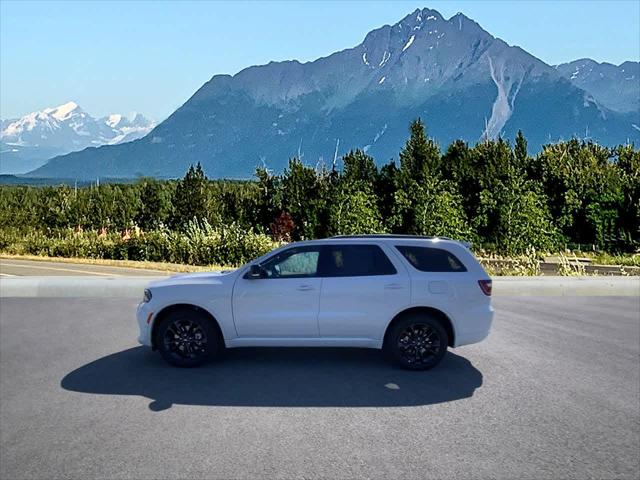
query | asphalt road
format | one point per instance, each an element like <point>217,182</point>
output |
<point>553,393</point>
<point>20,268</point>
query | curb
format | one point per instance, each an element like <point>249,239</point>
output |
<point>71,286</point>
<point>556,286</point>
<point>132,287</point>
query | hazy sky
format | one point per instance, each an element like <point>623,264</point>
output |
<point>124,56</point>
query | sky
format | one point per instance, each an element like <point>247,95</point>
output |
<point>150,57</point>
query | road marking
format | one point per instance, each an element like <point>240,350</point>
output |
<point>60,269</point>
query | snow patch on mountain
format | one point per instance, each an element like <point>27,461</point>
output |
<point>64,111</point>
<point>385,58</point>
<point>503,105</point>
<point>409,42</point>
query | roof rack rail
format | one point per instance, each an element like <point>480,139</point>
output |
<point>392,235</point>
<point>400,236</point>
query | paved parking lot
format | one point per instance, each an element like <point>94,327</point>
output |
<point>553,393</point>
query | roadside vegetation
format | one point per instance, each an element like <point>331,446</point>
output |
<point>573,196</point>
<point>142,265</point>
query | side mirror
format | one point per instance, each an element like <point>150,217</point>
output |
<point>256,271</point>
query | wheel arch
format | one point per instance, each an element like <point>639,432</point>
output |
<point>169,309</point>
<point>439,315</point>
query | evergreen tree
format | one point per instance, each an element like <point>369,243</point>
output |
<point>155,205</point>
<point>419,161</point>
<point>628,162</point>
<point>190,197</point>
<point>385,191</point>
<point>360,172</point>
<point>420,157</point>
<point>268,210</point>
<point>304,196</point>
<point>520,151</point>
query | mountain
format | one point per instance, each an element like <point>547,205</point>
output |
<point>462,81</point>
<point>615,87</point>
<point>27,142</point>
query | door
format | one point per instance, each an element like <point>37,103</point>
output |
<point>285,301</point>
<point>362,289</point>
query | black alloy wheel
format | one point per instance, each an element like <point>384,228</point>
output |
<point>419,345</point>
<point>187,338</point>
<point>416,342</point>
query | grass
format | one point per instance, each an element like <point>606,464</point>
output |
<point>630,260</point>
<point>159,266</point>
<point>512,266</point>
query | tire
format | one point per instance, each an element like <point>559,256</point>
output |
<point>187,338</point>
<point>416,342</point>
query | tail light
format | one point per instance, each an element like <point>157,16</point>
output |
<point>485,286</point>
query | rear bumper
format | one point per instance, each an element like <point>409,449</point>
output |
<point>476,326</point>
<point>142,315</point>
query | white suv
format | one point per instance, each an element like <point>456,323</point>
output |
<point>411,296</point>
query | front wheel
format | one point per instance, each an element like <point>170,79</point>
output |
<point>187,338</point>
<point>417,342</point>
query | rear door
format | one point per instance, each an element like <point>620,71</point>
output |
<point>438,275</point>
<point>362,289</point>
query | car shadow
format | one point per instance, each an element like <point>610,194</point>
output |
<point>277,377</point>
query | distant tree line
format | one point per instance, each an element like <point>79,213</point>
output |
<point>493,194</point>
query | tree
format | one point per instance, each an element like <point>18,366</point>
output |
<point>419,161</point>
<point>628,163</point>
<point>190,197</point>
<point>355,212</point>
<point>267,193</point>
<point>438,211</point>
<point>155,204</point>
<point>359,172</point>
<point>584,186</point>
<point>522,219</point>
<point>520,151</point>
<point>304,195</point>
<point>385,191</point>
<point>420,157</point>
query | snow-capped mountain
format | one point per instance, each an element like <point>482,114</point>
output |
<point>462,81</point>
<point>27,142</point>
<point>129,128</point>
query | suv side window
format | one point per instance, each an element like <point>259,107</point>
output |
<point>293,263</point>
<point>429,259</point>
<point>355,261</point>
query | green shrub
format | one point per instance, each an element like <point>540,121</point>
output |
<point>200,244</point>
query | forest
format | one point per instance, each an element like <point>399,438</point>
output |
<point>573,194</point>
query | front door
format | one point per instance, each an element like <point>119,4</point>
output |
<point>285,302</point>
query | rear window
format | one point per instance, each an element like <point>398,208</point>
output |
<point>355,261</point>
<point>429,259</point>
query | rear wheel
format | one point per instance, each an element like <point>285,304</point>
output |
<point>416,342</point>
<point>187,338</point>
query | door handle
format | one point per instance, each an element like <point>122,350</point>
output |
<point>305,288</point>
<point>393,286</point>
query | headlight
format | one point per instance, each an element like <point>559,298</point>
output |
<point>147,295</point>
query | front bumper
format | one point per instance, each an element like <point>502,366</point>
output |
<point>144,315</point>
